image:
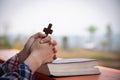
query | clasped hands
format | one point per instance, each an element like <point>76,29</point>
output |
<point>38,51</point>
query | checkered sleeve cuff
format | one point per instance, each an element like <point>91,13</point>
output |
<point>10,64</point>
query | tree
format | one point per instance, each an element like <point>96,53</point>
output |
<point>4,39</point>
<point>18,44</point>
<point>92,30</point>
<point>5,42</point>
<point>65,42</point>
<point>109,36</point>
<point>104,44</point>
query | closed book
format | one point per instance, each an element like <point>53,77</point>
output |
<point>70,67</point>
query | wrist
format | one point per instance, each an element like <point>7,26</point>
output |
<point>22,55</point>
<point>19,55</point>
<point>33,62</point>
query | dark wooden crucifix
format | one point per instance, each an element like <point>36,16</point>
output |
<point>48,30</point>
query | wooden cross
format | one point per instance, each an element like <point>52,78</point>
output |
<point>48,30</point>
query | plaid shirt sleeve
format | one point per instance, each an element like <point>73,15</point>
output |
<point>21,72</point>
<point>10,64</point>
<point>12,70</point>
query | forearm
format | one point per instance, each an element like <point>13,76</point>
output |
<point>33,62</point>
<point>22,55</point>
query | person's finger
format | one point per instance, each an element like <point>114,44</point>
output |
<point>54,57</point>
<point>54,50</point>
<point>32,39</point>
<point>50,59</point>
<point>46,39</point>
<point>53,42</point>
<point>38,35</point>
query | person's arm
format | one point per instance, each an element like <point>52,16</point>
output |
<point>24,53</point>
<point>11,69</point>
<point>11,66</point>
<point>21,72</point>
<point>40,54</point>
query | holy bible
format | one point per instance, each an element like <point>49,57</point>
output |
<point>70,67</point>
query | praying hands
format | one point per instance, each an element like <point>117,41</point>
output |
<point>37,51</point>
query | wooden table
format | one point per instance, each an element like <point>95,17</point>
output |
<point>106,73</point>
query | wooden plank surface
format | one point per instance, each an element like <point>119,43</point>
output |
<point>7,53</point>
<point>106,73</point>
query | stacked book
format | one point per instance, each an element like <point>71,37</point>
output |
<point>70,67</point>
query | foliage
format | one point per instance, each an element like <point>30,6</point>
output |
<point>109,36</point>
<point>5,42</point>
<point>92,29</point>
<point>104,44</point>
<point>65,42</point>
<point>18,43</point>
